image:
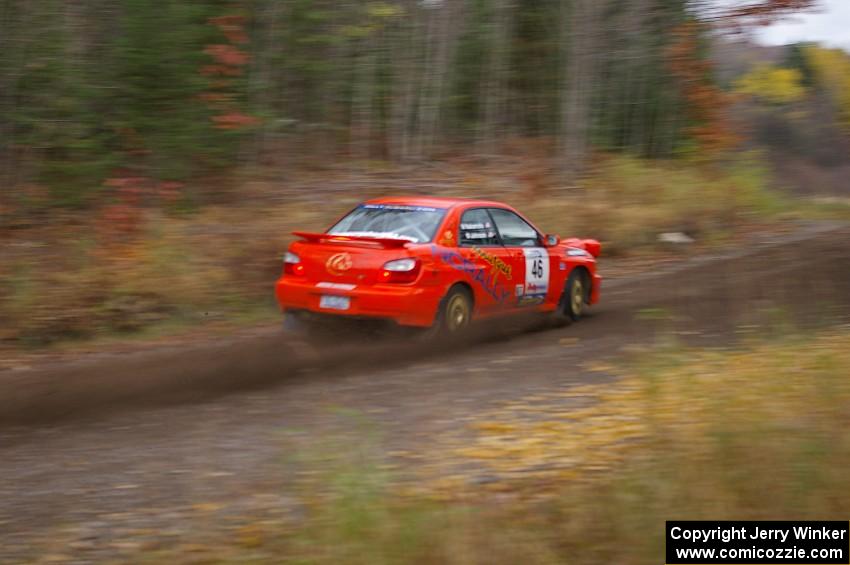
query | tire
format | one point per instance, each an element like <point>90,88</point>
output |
<point>574,298</point>
<point>454,314</point>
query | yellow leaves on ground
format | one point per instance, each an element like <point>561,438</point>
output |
<point>598,367</point>
<point>251,535</point>
<point>207,507</point>
<point>687,403</point>
<point>493,427</point>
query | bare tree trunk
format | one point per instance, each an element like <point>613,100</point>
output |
<point>11,15</point>
<point>263,83</point>
<point>425,98</point>
<point>443,25</point>
<point>639,75</point>
<point>402,97</point>
<point>413,68</point>
<point>8,81</point>
<point>361,123</point>
<point>495,82</point>
<point>581,26</point>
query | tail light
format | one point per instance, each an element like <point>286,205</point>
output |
<point>292,264</point>
<point>400,271</point>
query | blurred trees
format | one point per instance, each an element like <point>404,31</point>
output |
<point>95,89</point>
<point>774,85</point>
<point>831,71</point>
<point>789,103</point>
<point>172,90</point>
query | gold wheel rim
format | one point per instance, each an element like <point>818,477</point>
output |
<point>457,314</point>
<point>577,297</point>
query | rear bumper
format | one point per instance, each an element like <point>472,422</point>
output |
<point>406,305</point>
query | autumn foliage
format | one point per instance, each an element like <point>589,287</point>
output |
<point>831,68</point>
<point>762,12</point>
<point>228,63</point>
<point>706,104</point>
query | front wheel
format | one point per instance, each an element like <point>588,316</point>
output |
<point>576,295</point>
<point>574,298</point>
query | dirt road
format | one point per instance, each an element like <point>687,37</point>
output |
<point>113,454</point>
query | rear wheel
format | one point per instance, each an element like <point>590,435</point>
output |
<point>457,313</point>
<point>454,314</point>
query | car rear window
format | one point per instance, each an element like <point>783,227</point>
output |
<point>413,223</point>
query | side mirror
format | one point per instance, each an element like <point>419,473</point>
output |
<point>552,240</point>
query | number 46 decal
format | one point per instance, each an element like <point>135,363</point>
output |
<point>536,271</point>
<point>537,267</point>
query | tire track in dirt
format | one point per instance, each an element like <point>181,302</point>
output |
<point>695,293</point>
<point>168,447</point>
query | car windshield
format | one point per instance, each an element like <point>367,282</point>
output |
<point>413,223</point>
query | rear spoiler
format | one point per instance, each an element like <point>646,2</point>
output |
<point>385,242</point>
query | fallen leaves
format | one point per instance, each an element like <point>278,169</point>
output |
<point>681,399</point>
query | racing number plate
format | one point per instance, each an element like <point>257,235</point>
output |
<point>536,272</point>
<point>334,302</point>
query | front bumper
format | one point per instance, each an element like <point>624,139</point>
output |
<point>595,289</point>
<point>407,305</point>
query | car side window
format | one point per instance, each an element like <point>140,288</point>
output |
<point>476,229</point>
<point>515,231</point>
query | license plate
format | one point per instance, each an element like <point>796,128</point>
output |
<point>334,302</point>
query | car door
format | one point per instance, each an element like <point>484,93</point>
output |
<point>529,258</point>
<point>485,261</point>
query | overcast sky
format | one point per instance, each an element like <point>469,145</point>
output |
<point>829,24</point>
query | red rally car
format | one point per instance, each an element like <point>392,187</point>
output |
<point>436,263</point>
